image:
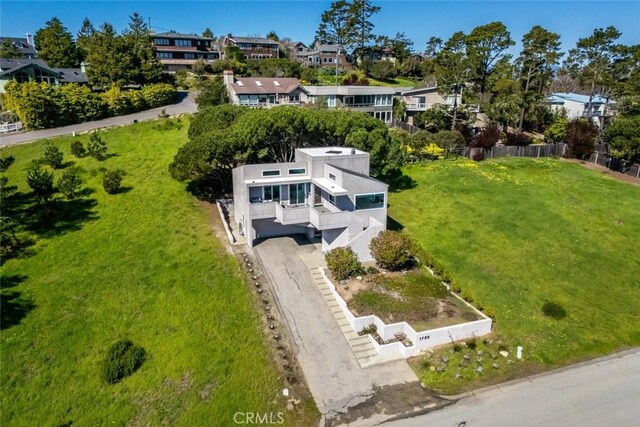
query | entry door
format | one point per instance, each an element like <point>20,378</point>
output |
<point>317,196</point>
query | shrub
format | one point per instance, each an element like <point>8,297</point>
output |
<point>623,136</point>
<point>213,93</point>
<point>69,183</point>
<point>557,131</point>
<point>488,138</point>
<point>448,139</point>
<point>111,180</point>
<point>343,263</point>
<point>383,70</point>
<point>392,250</point>
<point>554,310</point>
<point>490,313</point>
<point>97,147</point>
<point>157,95</point>
<point>370,329</point>
<point>355,78</point>
<point>53,156</point>
<point>471,343</point>
<point>580,138</point>
<point>5,162</point>
<point>41,183</point>
<point>77,149</point>
<point>372,270</point>
<point>123,359</point>
<point>518,138</point>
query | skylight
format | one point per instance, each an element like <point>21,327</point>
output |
<point>258,83</point>
<point>334,152</point>
<point>240,83</point>
<point>276,83</point>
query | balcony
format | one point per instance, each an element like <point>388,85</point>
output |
<point>418,106</point>
<point>323,219</point>
<point>287,215</point>
<point>261,210</point>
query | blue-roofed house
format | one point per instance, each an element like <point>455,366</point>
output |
<point>576,105</point>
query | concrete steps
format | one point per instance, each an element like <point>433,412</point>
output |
<point>361,346</point>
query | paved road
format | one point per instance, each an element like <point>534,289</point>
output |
<point>605,392</point>
<point>185,104</point>
<point>333,374</point>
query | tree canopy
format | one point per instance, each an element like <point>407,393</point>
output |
<point>9,50</point>
<point>485,45</point>
<point>55,45</point>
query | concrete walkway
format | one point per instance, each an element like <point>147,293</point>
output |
<point>185,104</point>
<point>344,391</point>
<point>603,392</point>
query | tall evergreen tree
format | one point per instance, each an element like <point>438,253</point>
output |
<point>145,66</point>
<point>452,69</point>
<point>108,60</point>
<point>486,44</point>
<point>540,53</point>
<point>361,12</point>
<point>207,33</point>
<point>336,25</point>
<point>434,44</point>
<point>9,50</point>
<point>55,45</point>
<point>592,60</point>
<point>87,30</point>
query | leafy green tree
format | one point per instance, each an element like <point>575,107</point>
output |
<point>336,25</point>
<point>623,137</point>
<point>108,58</point>
<point>591,61</point>
<point>452,70</point>
<point>41,183</point>
<point>392,250</point>
<point>112,180</point>
<point>214,92</point>
<point>400,46</point>
<point>434,44</point>
<point>208,33</point>
<point>55,45</point>
<point>410,67</point>
<point>505,110</point>
<point>484,46</point>
<point>9,50</point>
<point>557,132</point>
<point>399,109</point>
<point>97,147</point>
<point>309,75</point>
<point>272,35</point>
<point>234,54</point>
<point>449,139</point>
<point>383,70</point>
<point>69,183</point>
<point>87,30</point>
<point>540,53</point>
<point>199,68</point>
<point>434,119</point>
<point>53,156</point>
<point>145,66</point>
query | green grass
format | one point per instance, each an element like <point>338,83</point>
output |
<point>395,82</point>
<point>142,265</point>
<point>517,233</point>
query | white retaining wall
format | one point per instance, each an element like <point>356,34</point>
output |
<point>421,340</point>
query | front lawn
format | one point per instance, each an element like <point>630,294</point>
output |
<point>516,233</point>
<point>140,265</point>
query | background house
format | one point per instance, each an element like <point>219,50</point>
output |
<point>264,91</point>
<point>421,99</point>
<point>327,191</point>
<point>254,47</point>
<point>322,55</point>
<point>576,106</point>
<point>25,70</point>
<point>181,51</point>
<point>25,46</point>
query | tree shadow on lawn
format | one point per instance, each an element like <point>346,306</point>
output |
<point>13,306</point>
<point>398,181</point>
<point>394,225</point>
<point>61,216</point>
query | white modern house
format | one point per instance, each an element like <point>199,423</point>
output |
<point>326,191</point>
<point>576,105</point>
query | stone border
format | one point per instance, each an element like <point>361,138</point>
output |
<point>421,340</point>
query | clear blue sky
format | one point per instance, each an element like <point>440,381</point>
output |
<point>299,19</point>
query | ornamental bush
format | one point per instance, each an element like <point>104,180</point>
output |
<point>123,359</point>
<point>69,183</point>
<point>77,149</point>
<point>53,156</point>
<point>343,263</point>
<point>519,139</point>
<point>111,180</point>
<point>392,250</point>
<point>97,147</point>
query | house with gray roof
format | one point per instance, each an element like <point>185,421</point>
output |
<point>576,106</point>
<point>322,55</point>
<point>25,70</point>
<point>254,47</point>
<point>263,91</point>
<point>325,192</point>
<point>24,45</point>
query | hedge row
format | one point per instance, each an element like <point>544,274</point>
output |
<point>40,105</point>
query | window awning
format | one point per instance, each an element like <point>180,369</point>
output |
<point>330,187</point>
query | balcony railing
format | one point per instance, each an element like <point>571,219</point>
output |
<point>261,210</point>
<point>328,220</point>
<point>289,214</point>
<point>417,106</point>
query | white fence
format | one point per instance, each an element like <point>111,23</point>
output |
<point>10,127</point>
<point>420,340</point>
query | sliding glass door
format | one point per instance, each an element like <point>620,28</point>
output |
<point>297,194</point>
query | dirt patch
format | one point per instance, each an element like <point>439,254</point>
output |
<point>616,175</point>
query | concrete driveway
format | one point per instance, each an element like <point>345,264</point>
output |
<point>344,392</point>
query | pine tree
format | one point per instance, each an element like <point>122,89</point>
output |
<point>9,50</point>
<point>207,33</point>
<point>84,37</point>
<point>108,62</point>
<point>145,66</point>
<point>55,45</point>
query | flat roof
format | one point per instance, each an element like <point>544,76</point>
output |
<point>352,90</point>
<point>278,180</point>
<point>329,151</point>
<point>330,187</point>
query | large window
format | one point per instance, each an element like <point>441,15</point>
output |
<point>161,42</point>
<point>189,56</point>
<point>271,193</point>
<point>370,201</point>
<point>164,55</point>
<point>183,43</point>
<point>331,101</point>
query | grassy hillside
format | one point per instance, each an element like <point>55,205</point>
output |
<point>142,265</point>
<point>516,233</point>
